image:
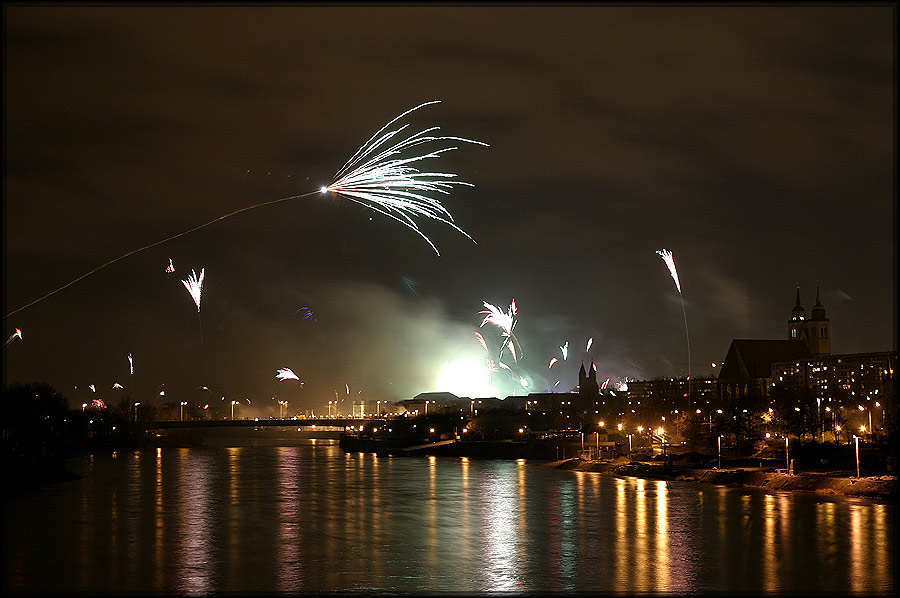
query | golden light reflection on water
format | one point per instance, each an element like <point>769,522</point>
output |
<point>159,520</point>
<point>770,555</point>
<point>622,529</point>
<point>663,566</point>
<point>295,521</point>
<point>432,514</point>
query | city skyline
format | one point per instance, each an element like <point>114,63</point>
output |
<point>754,143</point>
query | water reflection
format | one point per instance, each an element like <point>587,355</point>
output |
<point>308,518</point>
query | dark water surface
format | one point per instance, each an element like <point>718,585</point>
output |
<point>309,518</point>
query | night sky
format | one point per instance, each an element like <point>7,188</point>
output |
<point>756,143</point>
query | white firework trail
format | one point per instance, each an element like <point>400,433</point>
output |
<point>589,343</point>
<point>15,335</point>
<point>194,285</point>
<point>565,351</point>
<point>378,176</point>
<point>670,263</point>
<point>171,267</point>
<point>117,386</point>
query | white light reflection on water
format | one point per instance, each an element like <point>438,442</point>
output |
<point>499,516</point>
<point>193,528</point>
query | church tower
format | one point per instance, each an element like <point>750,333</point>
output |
<point>814,331</point>
<point>819,330</point>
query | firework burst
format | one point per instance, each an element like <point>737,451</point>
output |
<point>378,176</point>
<point>670,263</point>
<point>505,322</point>
<point>287,374</point>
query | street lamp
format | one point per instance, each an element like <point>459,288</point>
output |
<point>183,403</point>
<point>233,403</point>
<point>787,456</point>
<point>135,411</point>
<point>856,438</point>
<point>719,442</point>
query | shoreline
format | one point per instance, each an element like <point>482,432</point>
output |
<point>882,487</point>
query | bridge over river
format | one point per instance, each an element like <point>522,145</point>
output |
<point>306,422</point>
<point>253,432</point>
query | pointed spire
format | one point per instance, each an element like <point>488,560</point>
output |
<point>818,311</point>
<point>798,306</point>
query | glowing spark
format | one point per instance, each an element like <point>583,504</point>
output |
<point>307,313</point>
<point>589,343</point>
<point>162,393</point>
<point>481,340</point>
<point>604,385</point>
<point>552,361</point>
<point>565,351</point>
<point>92,387</point>
<point>670,262</point>
<point>557,384</point>
<point>131,364</point>
<point>171,267</point>
<point>117,386</point>
<point>523,382</point>
<point>98,404</point>
<point>380,178</point>
<point>286,374</point>
<point>194,285</point>
<point>15,335</point>
<point>347,386</point>
<point>376,177</point>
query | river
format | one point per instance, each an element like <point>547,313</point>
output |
<point>309,518</point>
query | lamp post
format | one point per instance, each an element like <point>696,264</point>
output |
<point>233,403</point>
<point>719,442</point>
<point>183,403</point>
<point>856,438</point>
<point>135,411</point>
<point>787,455</point>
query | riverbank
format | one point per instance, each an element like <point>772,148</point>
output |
<point>881,487</point>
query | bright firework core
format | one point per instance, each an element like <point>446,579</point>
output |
<point>465,378</point>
